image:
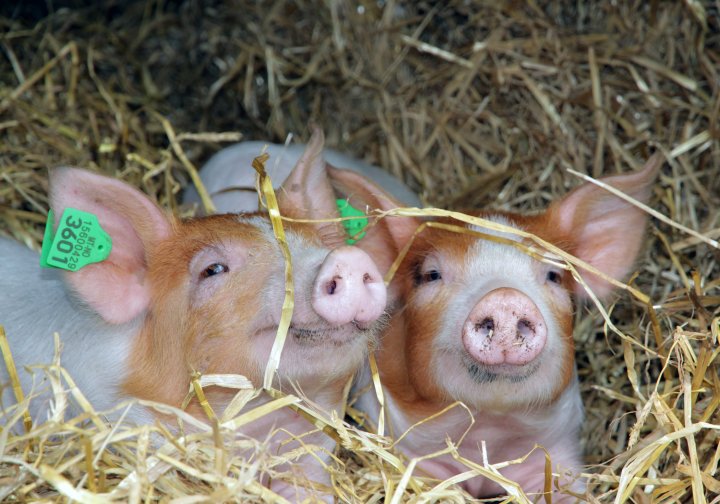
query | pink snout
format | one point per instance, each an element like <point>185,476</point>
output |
<point>349,288</point>
<point>504,327</point>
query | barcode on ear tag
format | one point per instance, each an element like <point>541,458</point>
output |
<point>78,241</point>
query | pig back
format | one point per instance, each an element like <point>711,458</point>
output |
<point>34,304</point>
<point>230,179</point>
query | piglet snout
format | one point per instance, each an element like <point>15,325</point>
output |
<point>349,288</point>
<point>504,327</point>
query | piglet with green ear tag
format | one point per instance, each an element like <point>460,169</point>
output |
<point>143,300</point>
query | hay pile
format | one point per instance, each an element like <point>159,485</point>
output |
<point>472,106</point>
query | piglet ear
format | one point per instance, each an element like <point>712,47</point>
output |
<point>607,231</point>
<point>386,238</point>
<point>307,193</point>
<point>115,288</point>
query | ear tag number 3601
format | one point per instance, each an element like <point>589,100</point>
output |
<point>78,241</point>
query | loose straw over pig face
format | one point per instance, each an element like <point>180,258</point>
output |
<point>473,105</point>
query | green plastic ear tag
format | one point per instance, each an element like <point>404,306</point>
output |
<point>353,227</point>
<point>78,241</point>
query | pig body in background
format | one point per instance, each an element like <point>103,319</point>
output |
<point>230,180</point>
<point>36,302</point>
<point>203,295</point>
<point>488,325</point>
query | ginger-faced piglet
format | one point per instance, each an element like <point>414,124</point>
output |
<point>205,294</point>
<point>229,179</point>
<point>486,324</point>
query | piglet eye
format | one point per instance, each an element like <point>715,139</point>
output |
<point>554,276</point>
<point>431,276</point>
<point>428,276</point>
<point>214,269</point>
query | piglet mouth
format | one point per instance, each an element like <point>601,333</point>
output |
<point>484,373</point>
<point>316,334</point>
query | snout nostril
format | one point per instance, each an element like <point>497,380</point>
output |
<point>486,327</point>
<point>525,328</point>
<point>366,278</point>
<point>332,286</point>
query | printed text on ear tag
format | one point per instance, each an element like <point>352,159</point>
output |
<point>353,227</point>
<point>78,241</point>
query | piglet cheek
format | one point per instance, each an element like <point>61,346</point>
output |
<point>504,328</point>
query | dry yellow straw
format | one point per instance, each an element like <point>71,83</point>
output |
<point>14,378</point>
<point>289,301</point>
<point>69,49</point>
<point>377,385</point>
<point>192,171</point>
<point>197,389</point>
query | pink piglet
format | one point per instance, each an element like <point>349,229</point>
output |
<point>486,324</point>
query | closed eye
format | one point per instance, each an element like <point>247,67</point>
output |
<point>214,269</point>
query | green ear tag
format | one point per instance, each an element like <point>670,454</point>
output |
<point>78,241</point>
<point>353,227</point>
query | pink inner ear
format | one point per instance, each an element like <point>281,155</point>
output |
<point>608,244</point>
<point>307,193</point>
<point>115,288</point>
<point>607,230</point>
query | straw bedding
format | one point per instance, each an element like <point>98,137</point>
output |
<point>472,104</point>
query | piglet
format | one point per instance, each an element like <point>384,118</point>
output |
<point>488,325</point>
<point>229,178</point>
<point>179,296</point>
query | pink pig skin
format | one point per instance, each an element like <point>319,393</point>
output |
<point>485,324</point>
<point>198,295</point>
